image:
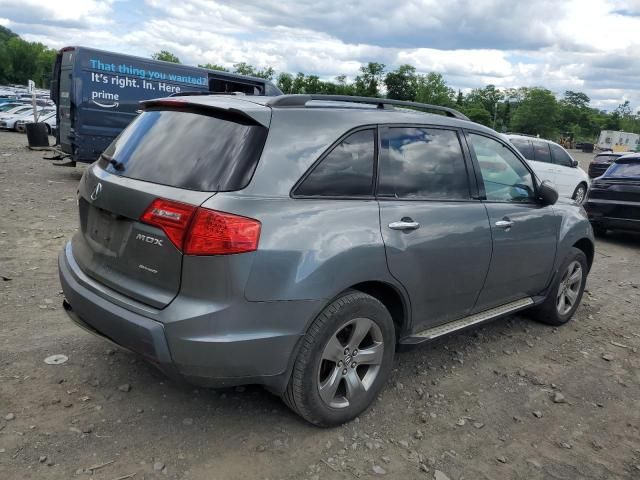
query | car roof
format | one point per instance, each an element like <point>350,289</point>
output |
<point>630,157</point>
<point>526,137</point>
<point>530,137</point>
<point>259,106</point>
<point>610,153</point>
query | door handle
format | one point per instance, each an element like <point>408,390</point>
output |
<point>504,224</point>
<point>402,225</point>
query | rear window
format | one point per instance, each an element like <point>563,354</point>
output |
<point>624,170</point>
<point>187,150</point>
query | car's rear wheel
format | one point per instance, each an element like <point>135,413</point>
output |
<point>345,359</point>
<point>566,292</point>
<point>580,193</point>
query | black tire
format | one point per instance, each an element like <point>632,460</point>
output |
<point>303,391</point>
<point>549,312</point>
<point>582,187</point>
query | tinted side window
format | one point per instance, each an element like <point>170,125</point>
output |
<point>541,151</point>
<point>560,157</point>
<point>347,171</point>
<point>505,177</point>
<point>422,163</point>
<point>524,147</point>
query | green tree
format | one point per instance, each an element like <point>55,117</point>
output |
<point>624,109</point>
<point>213,66</point>
<point>285,82</point>
<point>575,117</point>
<point>367,83</point>
<point>432,88</point>
<point>313,84</point>
<point>612,122</point>
<point>6,34</point>
<point>537,113</point>
<point>402,83</point>
<point>342,87</point>
<point>477,113</point>
<point>576,99</point>
<point>21,61</point>
<point>298,83</point>
<point>165,56</point>
<point>244,68</point>
<point>488,97</point>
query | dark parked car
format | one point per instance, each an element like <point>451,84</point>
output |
<point>296,241</point>
<point>614,198</point>
<point>602,161</point>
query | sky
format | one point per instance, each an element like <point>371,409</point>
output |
<point>591,46</point>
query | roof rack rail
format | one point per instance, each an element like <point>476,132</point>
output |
<point>300,100</point>
<point>522,134</point>
<point>195,92</point>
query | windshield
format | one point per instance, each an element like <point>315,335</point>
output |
<point>184,149</point>
<point>624,170</point>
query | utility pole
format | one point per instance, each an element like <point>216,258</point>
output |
<point>31,88</point>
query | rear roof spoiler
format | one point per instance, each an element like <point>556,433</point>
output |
<point>254,112</point>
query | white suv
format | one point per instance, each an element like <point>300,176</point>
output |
<point>552,162</point>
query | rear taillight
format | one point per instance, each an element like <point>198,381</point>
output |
<point>200,231</point>
<point>172,217</point>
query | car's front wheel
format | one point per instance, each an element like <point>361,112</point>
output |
<point>345,359</point>
<point>580,193</point>
<point>566,292</point>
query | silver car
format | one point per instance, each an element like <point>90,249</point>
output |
<point>297,241</point>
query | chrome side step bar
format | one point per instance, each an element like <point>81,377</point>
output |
<point>440,330</point>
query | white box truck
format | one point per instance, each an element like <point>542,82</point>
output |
<point>618,141</point>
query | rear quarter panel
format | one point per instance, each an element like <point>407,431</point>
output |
<point>310,249</point>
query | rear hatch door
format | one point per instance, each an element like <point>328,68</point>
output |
<point>180,154</point>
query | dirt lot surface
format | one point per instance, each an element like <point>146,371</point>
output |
<point>513,399</point>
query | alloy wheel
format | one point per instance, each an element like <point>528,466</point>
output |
<point>350,362</point>
<point>569,288</point>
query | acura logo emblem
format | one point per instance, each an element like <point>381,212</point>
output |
<point>96,191</point>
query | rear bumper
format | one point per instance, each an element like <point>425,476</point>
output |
<point>235,344</point>
<point>624,216</point>
<point>616,223</point>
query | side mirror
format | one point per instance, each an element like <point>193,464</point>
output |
<point>574,163</point>
<point>547,194</point>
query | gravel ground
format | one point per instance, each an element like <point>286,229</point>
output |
<point>513,399</point>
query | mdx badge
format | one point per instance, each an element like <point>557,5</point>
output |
<point>149,239</point>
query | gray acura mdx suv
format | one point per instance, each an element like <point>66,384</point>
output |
<point>297,241</point>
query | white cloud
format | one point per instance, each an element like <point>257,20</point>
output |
<point>587,45</point>
<point>71,13</point>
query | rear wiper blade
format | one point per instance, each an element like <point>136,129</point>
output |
<point>119,166</point>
